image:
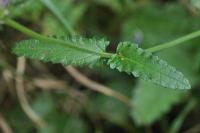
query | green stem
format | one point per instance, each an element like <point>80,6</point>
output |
<point>25,30</point>
<point>51,6</point>
<point>65,43</point>
<point>174,42</point>
<point>176,125</point>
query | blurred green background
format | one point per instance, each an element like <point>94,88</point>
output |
<point>68,106</point>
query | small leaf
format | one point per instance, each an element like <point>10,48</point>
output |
<point>140,63</point>
<point>56,53</point>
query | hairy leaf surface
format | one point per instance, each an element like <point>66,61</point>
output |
<point>56,53</point>
<point>140,63</point>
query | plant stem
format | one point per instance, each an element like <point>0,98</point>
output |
<point>79,77</point>
<point>21,94</point>
<point>177,123</point>
<point>174,42</point>
<point>65,43</point>
<point>51,6</point>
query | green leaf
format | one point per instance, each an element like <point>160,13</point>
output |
<point>140,63</point>
<point>43,104</point>
<point>75,125</point>
<point>150,102</point>
<point>182,62</point>
<point>84,51</point>
<point>145,95</point>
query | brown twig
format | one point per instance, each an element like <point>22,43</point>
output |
<point>22,95</point>
<point>4,125</point>
<point>48,84</point>
<point>192,10</point>
<point>79,77</point>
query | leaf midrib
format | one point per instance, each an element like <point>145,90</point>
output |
<point>152,69</point>
<point>65,43</point>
